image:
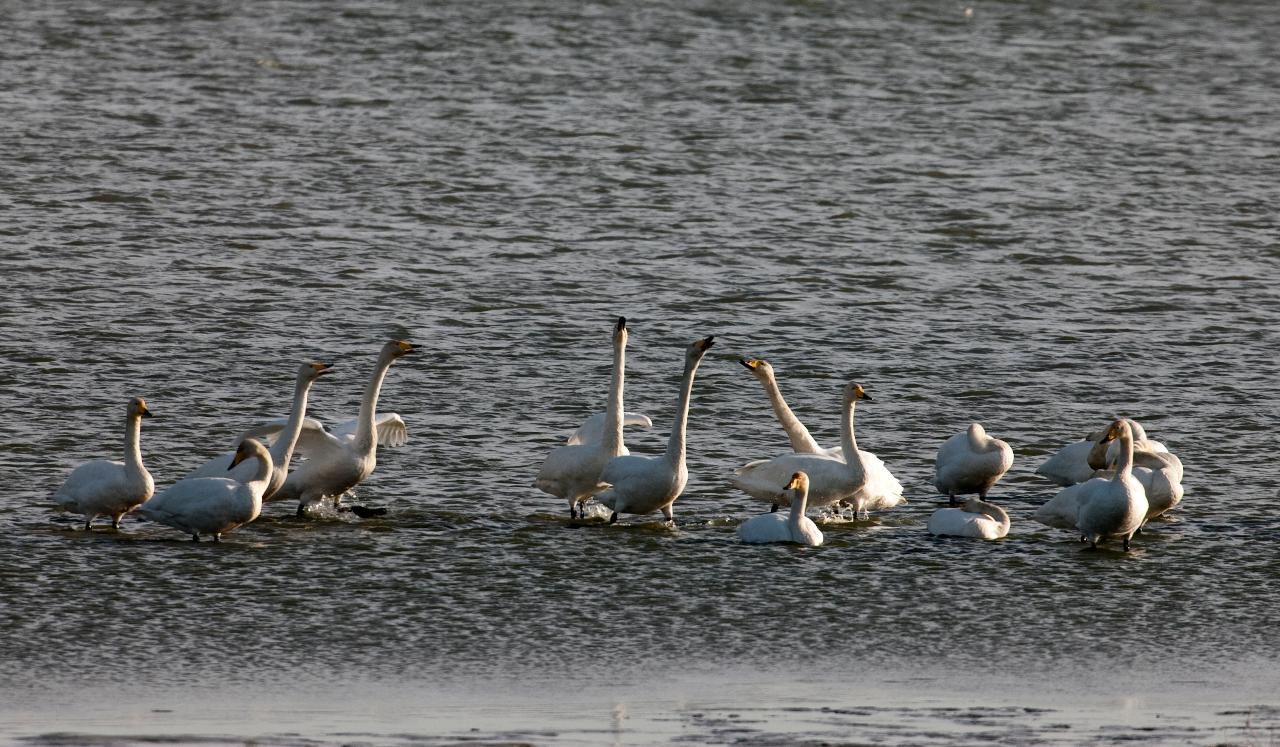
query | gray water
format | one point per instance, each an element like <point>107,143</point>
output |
<point>1038,216</point>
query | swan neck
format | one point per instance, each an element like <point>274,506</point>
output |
<point>1125,467</point>
<point>282,449</point>
<point>676,444</point>
<point>364,440</point>
<point>799,504</point>
<point>261,472</point>
<point>995,512</point>
<point>801,441</point>
<point>847,440</point>
<point>132,446</point>
<point>613,411</point>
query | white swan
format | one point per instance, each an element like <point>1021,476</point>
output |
<point>593,431</point>
<point>572,471</point>
<point>641,485</point>
<point>281,447</point>
<point>1076,462</point>
<point>1160,473</point>
<point>795,527</point>
<point>337,462</point>
<point>797,434</point>
<point>864,481</point>
<point>970,462</point>
<point>1115,507</point>
<point>107,488</point>
<point>974,518</point>
<point>213,505</point>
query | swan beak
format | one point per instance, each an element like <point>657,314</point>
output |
<point>867,397</point>
<point>622,324</point>
<point>241,455</point>
<point>147,413</point>
<point>705,343</point>
<point>321,368</point>
<point>752,364</point>
<point>405,347</point>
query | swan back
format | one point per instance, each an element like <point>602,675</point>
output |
<point>975,518</point>
<point>971,462</point>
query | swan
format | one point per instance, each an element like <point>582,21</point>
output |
<point>1115,507</point>
<point>865,481</point>
<point>213,505</point>
<point>641,485</point>
<point>970,462</point>
<point>281,447</point>
<point>801,441</point>
<point>774,527</point>
<point>1160,473</point>
<point>107,488</point>
<point>974,518</point>
<point>572,471</point>
<point>1076,462</point>
<point>337,462</point>
<point>593,431</point>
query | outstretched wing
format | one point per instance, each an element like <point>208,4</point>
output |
<point>592,429</point>
<point>389,429</point>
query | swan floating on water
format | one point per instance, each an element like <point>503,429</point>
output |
<point>974,518</point>
<point>283,443</point>
<point>107,488</point>
<point>214,505</point>
<point>971,462</point>
<point>864,481</point>
<point>801,441</point>
<point>572,471</point>
<point>338,461</point>
<point>795,527</point>
<point>641,485</point>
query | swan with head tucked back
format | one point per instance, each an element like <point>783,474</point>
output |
<point>801,441</point>
<point>1076,462</point>
<point>214,505</point>
<point>641,485</point>
<point>1159,473</point>
<point>282,445</point>
<point>107,488</point>
<point>970,462</point>
<point>1104,508</point>
<point>974,518</point>
<point>337,462</point>
<point>795,527</point>
<point>572,471</point>
<point>863,481</point>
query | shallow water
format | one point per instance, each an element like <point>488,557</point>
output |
<point>1037,217</point>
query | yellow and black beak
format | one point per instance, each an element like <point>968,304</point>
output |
<point>146,413</point>
<point>621,325</point>
<point>752,364</point>
<point>705,343</point>
<point>241,454</point>
<point>406,347</point>
<point>321,368</point>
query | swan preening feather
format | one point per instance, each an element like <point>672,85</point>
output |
<point>792,527</point>
<point>974,518</point>
<point>641,485</point>
<point>214,505</point>
<point>863,481</point>
<point>108,488</point>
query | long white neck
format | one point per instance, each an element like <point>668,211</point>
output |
<point>676,444</point>
<point>282,449</point>
<point>1125,467</point>
<point>132,449</point>
<point>801,441</point>
<point>799,504</point>
<point>847,440</point>
<point>994,511</point>
<point>261,471</point>
<point>612,441</point>
<point>364,441</point>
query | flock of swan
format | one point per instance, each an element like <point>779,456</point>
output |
<point>1113,481</point>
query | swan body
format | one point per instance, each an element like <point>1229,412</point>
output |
<point>793,527</point>
<point>572,471</point>
<point>641,485</point>
<point>1160,473</point>
<point>108,488</point>
<point>338,461</point>
<point>864,481</point>
<point>592,429</point>
<point>801,441</point>
<point>971,462</point>
<point>1076,462</point>
<point>214,505</point>
<point>975,518</point>
<point>282,446</point>
<point>1115,507</point>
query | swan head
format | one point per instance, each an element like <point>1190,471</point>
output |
<point>699,348</point>
<point>138,408</point>
<point>313,371</point>
<point>398,348</point>
<point>853,391</point>
<point>249,448</point>
<point>620,331</point>
<point>799,483</point>
<point>758,368</point>
<point>977,431</point>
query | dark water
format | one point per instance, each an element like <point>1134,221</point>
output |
<point>1038,216</point>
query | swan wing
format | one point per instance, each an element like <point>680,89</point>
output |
<point>389,428</point>
<point>1070,465</point>
<point>881,489</point>
<point>215,467</point>
<point>592,429</point>
<point>764,479</point>
<point>317,444</point>
<point>765,528</point>
<point>1063,509</point>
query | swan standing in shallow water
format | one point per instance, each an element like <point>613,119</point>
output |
<point>971,462</point>
<point>572,471</point>
<point>641,485</point>
<point>282,447</point>
<point>337,462</point>
<point>863,481</point>
<point>797,434</point>
<point>213,505</point>
<point>1115,507</point>
<point>107,488</point>
<point>974,518</point>
<point>795,527</point>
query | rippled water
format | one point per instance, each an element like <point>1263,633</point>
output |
<point>1038,217</point>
